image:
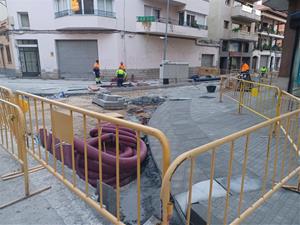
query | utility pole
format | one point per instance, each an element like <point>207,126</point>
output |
<point>166,32</point>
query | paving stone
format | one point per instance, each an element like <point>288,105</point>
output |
<point>206,120</point>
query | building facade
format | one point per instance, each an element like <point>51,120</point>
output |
<point>248,33</point>
<point>290,66</point>
<point>54,39</point>
<point>270,37</point>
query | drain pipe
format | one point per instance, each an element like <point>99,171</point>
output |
<point>166,32</point>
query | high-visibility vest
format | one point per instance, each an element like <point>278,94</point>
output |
<point>263,70</point>
<point>120,73</point>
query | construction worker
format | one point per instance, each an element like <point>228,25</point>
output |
<point>122,66</point>
<point>245,72</point>
<point>245,68</point>
<point>263,71</point>
<point>121,76</point>
<point>96,69</point>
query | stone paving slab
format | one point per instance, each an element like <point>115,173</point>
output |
<point>190,124</point>
<point>55,206</point>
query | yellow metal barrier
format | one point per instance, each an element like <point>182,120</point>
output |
<point>261,99</point>
<point>232,158</point>
<point>67,122</point>
<point>12,135</point>
<point>6,94</point>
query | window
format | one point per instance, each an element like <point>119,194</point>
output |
<point>226,24</point>
<point>191,20</point>
<point>181,18</point>
<point>27,42</point>
<point>23,20</point>
<point>8,55</point>
<point>88,6</point>
<point>225,46</point>
<point>61,5</point>
<point>207,60</point>
<point>246,47</point>
<point>105,5</point>
<point>151,11</point>
<point>201,19</point>
<point>235,47</point>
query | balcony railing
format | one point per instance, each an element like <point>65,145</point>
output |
<point>92,12</point>
<point>171,21</point>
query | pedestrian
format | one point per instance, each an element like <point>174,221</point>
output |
<point>121,75</point>
<point>122,66</point>
<point>96,69</point>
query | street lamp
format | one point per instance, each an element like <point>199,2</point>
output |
<point>166,32</point>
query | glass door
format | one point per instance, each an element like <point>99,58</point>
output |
<point>88,6</point>
<point>29,58</point>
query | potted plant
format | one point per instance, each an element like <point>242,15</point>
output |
<point>236,29</point>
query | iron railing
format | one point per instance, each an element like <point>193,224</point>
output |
<point>175,22</point>
<point>87,12</point>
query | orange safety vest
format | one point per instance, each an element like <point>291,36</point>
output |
<point>245,67</point>
<point>96,66</point>
<point>122,67</point>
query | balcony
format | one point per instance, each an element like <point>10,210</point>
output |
<point>173,2</point>
<point>243,35</point>
<point>271,33</point>
<point>246,14</point>
<point>157,26</point>
<point>89,20</point>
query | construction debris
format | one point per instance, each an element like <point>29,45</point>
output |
<point>110,101</point>
<point>147,100</point>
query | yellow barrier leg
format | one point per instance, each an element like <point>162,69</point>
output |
<point>19,173</point>
<point>25,197</point>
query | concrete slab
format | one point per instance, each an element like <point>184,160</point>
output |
<point>200,191</point>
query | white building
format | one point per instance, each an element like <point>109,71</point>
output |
<point>241,26</point>
<point>48,38</point>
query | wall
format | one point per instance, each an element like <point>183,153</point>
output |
<point>218,13</point>
<point>288,43</point>
<point>141,53</point>
<point>41,13</point>
<point>7,68</point>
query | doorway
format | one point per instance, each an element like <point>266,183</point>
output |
<point>30,62</point>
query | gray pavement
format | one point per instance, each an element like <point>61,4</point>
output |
<point>201,119</point>
<point>57,205</point>
<point>47,87</point>
<point>190,118</point>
